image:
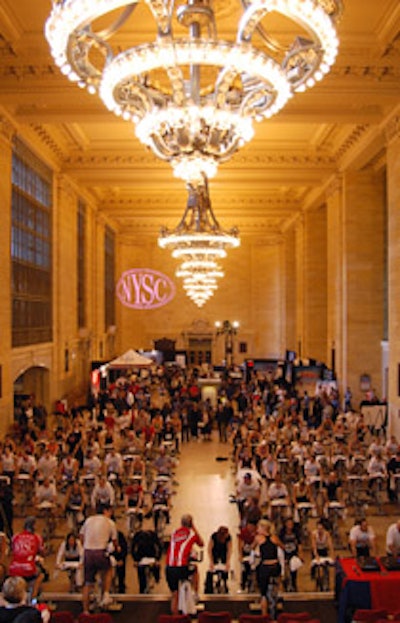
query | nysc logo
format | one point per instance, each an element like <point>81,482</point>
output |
<point>143,288</point>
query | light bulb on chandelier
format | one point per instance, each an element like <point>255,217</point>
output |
<point>199,242</point>
<point>193,97</point>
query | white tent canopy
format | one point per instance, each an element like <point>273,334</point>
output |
<point>130,359</point>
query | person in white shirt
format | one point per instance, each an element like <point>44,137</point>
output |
<point>376,469</point>
<point>46,492</point>
<point>26,464</point>
<point>279,500</point>
<point>103,493</point>
<point>71,551</point>
<point>362,539</point>
<point>69,468</point>
<point>8,462</point>
<point>113,463</point>
<point>47,466</point>
<point>392,445</point>
<point>91,464</point>
<point>311,468</point>
<point>247,489</point>
<point>278,490</point>
<point>393,539</point>
<point>376,448</point>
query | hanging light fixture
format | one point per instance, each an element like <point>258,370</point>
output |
<point>199,243</point>
<point>192,96</point>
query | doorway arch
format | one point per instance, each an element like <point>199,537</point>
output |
<point>33,382</point>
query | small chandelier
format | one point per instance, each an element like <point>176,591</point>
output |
<point>192,96</point>
<point>199,243</point>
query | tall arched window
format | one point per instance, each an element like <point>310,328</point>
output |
<point>31,241</point>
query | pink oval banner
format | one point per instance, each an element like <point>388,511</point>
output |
<point>144,288</point>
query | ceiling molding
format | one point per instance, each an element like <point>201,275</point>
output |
<point>7,128</point>
<point>251,158</point>
<point>11,29</point>
<point>47,140</point>
<point>389,24</point>
<point>265,188</point>
<point>351,140</point>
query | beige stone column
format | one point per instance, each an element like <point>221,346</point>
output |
<point>267,300</point>
<point>356,277</point>
<point>65,288</point>
<point>99,277</point>
<point>290,286</point>
<point>299,260</point>
<point>315,286</point>
<point>364,264</point>
<point>6,395</point>
<point>335,278</point>
<point>393,198</point>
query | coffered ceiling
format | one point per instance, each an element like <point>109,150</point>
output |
<point>282,171</point>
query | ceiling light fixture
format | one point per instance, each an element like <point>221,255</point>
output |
<point>200,243</point>
<point>192,96</point>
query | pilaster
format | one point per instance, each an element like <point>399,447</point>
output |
<point>290,287</point>
<point>314,284</point>
<point>393,201</point>
<point>6,380</point>
<point>65,291</point>
<point>336,278</point>
<point>364,239</point>
<point>300,255</point>
<point>356,228</point>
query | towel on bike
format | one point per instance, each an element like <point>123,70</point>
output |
<point>186,601</point>
<point>295,563</point>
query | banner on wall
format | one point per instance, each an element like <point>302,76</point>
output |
<point>144,288</point>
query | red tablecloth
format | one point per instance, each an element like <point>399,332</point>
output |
<point>384,585</point>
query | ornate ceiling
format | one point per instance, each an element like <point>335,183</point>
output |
<point>282,171</point>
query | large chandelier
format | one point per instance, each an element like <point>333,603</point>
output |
<point>192,96</point>
<point>199,243</point>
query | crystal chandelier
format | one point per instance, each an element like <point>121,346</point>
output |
<point>199,243</point>
<point>192,96</point>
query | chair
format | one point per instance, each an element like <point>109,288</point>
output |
<point>369,616</point>
<point>214,617</point>
<point>62,616</point>
<point>254,618</point>
<point>285,617</point>
<point>101,617</point>
<point>174,618</point>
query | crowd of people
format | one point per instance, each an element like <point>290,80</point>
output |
<point>296,457</point>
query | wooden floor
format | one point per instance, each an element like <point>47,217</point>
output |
<point>205,484</point>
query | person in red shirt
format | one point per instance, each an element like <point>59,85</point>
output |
<point>148,433</point>
<point>26,546</point>
<point>178,557</point>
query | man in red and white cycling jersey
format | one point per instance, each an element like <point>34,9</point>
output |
<point>178,557</point>
<point>26,546</point>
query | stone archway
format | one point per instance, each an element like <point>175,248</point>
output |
<point>34,384</point>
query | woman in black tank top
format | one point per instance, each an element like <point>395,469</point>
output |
<point>269,567</point>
